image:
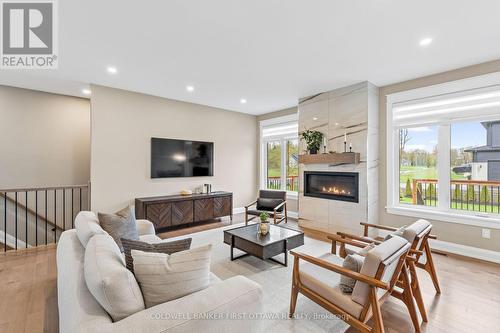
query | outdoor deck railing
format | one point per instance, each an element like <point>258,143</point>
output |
<point>292,183</point>
<point>472,195</point>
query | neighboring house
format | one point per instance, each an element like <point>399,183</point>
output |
<point>489,155</point>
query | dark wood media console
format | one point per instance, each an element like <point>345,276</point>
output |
<point>178,210</point>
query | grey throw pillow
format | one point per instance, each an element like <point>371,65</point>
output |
<point>398,232</point>
<point>163,247</point>
<point>119,225</point>
<point>352,262</point>
<point>364,251</point>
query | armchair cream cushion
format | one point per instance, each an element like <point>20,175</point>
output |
<point>371,264</point>
<point>414,229</point>
<point>327,284</point>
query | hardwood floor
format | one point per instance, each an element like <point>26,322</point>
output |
<point>470,301</point>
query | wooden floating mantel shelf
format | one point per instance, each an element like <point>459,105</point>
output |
<point>330,158</point>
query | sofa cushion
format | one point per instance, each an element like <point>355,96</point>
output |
<point>352,262</point>
<point>164,277</point>
<point>109,281</point>
<point>162,247</point>
<point>87,225</point>
<point>120,225</point>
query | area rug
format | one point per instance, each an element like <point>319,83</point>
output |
<point>275,280</point>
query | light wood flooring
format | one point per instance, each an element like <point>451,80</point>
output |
<point>470,301</point>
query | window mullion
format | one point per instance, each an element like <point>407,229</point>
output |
<point>283,164</point>
<point>443,162</point>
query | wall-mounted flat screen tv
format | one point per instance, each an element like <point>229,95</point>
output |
<point>181,158</point>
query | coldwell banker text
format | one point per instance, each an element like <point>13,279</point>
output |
<point>29,38</point>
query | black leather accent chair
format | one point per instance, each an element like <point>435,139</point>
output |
<point>271,202</point>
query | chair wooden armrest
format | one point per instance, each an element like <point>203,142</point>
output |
<point>358,238</point>
<point>432,236</point>
<point>337,238</point>
<point>341,270</point>
<point>251,204</point>
<point>378,226</point>
<point>279,206</point>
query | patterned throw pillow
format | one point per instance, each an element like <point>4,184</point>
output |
<point>119,225</point>
<point>352,262</point>
<point>163,247</point>
<point>163,277</point>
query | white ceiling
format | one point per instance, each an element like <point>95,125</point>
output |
<point>270,52</point>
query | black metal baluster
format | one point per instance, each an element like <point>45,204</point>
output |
<point>46,221</point>
<point>64,209</point>
<point>461,198</point>
<point>5,221</point>
<point>80,200</point>
<point>26,219</point>
<point>16,218</point>
<point>72,208</point>
<point>55,216</point>
<point>36,218</point>
<point>473,198</point>
<point>491,199</point>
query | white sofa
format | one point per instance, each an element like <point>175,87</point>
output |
<point>226,304</point>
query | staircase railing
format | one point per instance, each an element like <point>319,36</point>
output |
<point>38,215</point>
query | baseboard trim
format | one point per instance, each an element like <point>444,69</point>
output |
<point>465,250</point>
<point>11,241</point>
<point>459,249</point>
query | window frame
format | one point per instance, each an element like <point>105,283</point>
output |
<point>282,138</point>
<point>443,211</point>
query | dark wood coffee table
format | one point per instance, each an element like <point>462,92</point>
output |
<point>279,240</point>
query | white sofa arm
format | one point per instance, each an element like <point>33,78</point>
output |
<point>227,306</point>
<point>145,227</point>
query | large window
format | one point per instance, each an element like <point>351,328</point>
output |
<point>444,154</point>
<point>279,154</point>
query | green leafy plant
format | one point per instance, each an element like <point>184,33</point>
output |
<point>408,191</point>
<point>485,195</point>
<point>313,139</point>
<point>264,217</point>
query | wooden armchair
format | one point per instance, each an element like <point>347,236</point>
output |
<point>317,279</point>
<point>417,234</point>
<point>271,202</point>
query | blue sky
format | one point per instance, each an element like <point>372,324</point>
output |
<point>462,135</point>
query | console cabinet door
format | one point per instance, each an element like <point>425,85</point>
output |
<point>160,214</point>
<point>222,206</point>
<point>182,212</point>
<point>203,209</point>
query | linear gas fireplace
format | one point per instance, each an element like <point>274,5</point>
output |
<point>341,186</point>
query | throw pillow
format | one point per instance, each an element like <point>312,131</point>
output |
<point>364,251</point>
<point>398,232</point>
<point>163,247</point>
<point>353,262</point>
<point>120,225</point>
<point>268,204</point>
<point>87,225</point>
<point>163,277</point>
<point>113,286</point>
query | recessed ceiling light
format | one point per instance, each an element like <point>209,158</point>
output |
<point>243,101</point>
<point>86,91</point>
<point>112,70</point>
<point>425,41</point>
<point>190,88</point>
<point>315,118</point>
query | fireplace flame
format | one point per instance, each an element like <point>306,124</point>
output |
<point>335,190</point>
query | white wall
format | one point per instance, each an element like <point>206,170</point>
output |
<point>45,139</point>
<point>123,123</point>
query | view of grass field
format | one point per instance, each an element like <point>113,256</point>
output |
<point>422,172</point>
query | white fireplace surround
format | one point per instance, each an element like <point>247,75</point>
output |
<point>351,110</point>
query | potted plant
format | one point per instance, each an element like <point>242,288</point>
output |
<point>264,223</point>
<point>313,140</point>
